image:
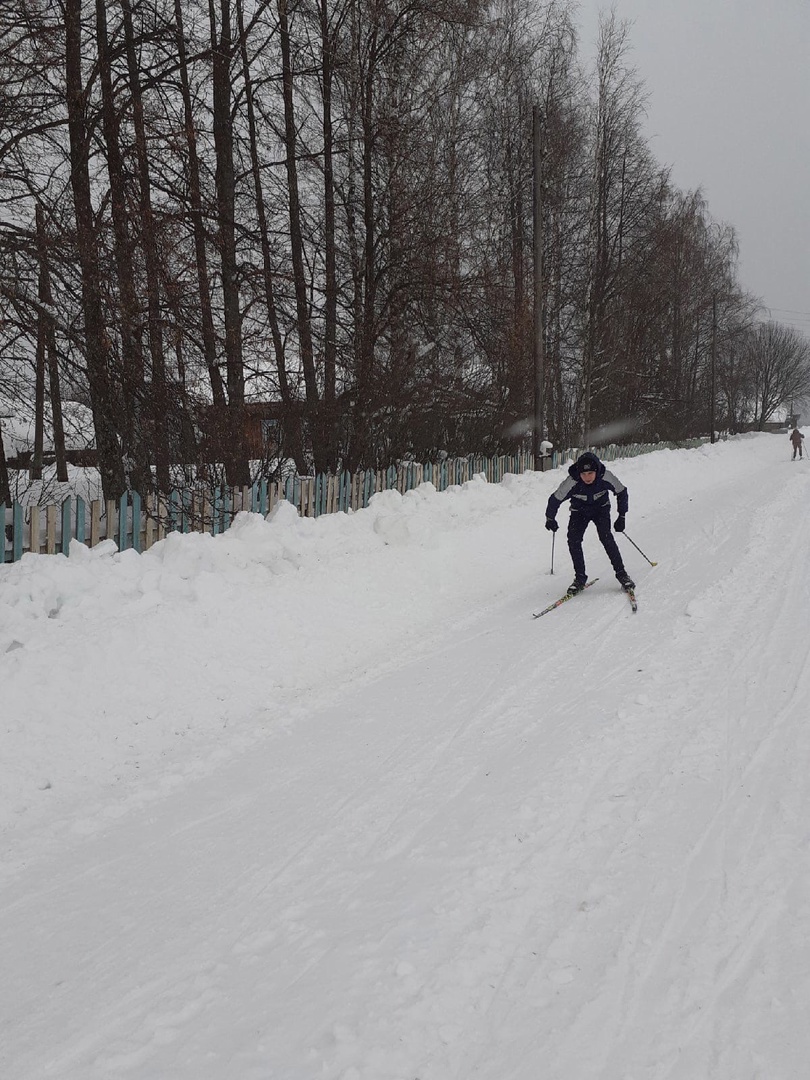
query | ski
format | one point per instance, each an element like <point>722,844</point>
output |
<point>631,596</point>
<point>568,596</point>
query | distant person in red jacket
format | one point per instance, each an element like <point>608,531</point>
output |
<point>796,438</point>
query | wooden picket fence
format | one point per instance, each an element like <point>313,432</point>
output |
<point>137,524</point>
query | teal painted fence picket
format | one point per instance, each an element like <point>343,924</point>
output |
<point>135,523</point>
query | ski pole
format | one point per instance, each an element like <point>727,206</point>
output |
<point>553,538</point>
<point>638,549</point>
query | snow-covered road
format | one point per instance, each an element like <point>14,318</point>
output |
<point>404,832</point>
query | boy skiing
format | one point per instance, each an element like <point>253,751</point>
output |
<point>588,486</point>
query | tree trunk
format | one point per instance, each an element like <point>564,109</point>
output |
<point>209,337</point>
<point>292,423</point>
<point>35,471</point>
<point>330,273</point>
<point>159,394</point>
<point>366,270</point>
<point>46,307</point>
<point>236,464</point>
<point>132,384</point>
<point>5,486</point>
<point>97,346</point>
<point>296,241</point>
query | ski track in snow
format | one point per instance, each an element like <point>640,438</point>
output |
<point>573,849</point>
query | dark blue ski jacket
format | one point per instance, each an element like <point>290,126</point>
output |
<point>589,498</point>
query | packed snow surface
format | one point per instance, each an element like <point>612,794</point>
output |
<point>319,800</point>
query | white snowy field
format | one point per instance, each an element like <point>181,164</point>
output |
<point>319,800</point>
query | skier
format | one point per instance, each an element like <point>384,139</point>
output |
<point>588,485</point>
<point>796,438</point>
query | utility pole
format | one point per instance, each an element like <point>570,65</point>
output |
<point>714,365</point>
<point>539,359</point>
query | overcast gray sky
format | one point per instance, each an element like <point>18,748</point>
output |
<point>729,111</point>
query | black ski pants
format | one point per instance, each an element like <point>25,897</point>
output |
<point>577,524</point>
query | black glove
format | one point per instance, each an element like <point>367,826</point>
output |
<point>619,525</point>
<point>551,525</point>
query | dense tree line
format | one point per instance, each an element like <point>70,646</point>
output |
<point>327,205</point>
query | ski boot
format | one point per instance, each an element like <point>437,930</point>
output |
<point>625,581</point>
<point>577,585</point>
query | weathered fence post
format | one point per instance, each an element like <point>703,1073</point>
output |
<point>64,540</point>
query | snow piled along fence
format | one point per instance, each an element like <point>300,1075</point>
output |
<point>135,523</point>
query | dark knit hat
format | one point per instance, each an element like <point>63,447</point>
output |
<point>587,461</point>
